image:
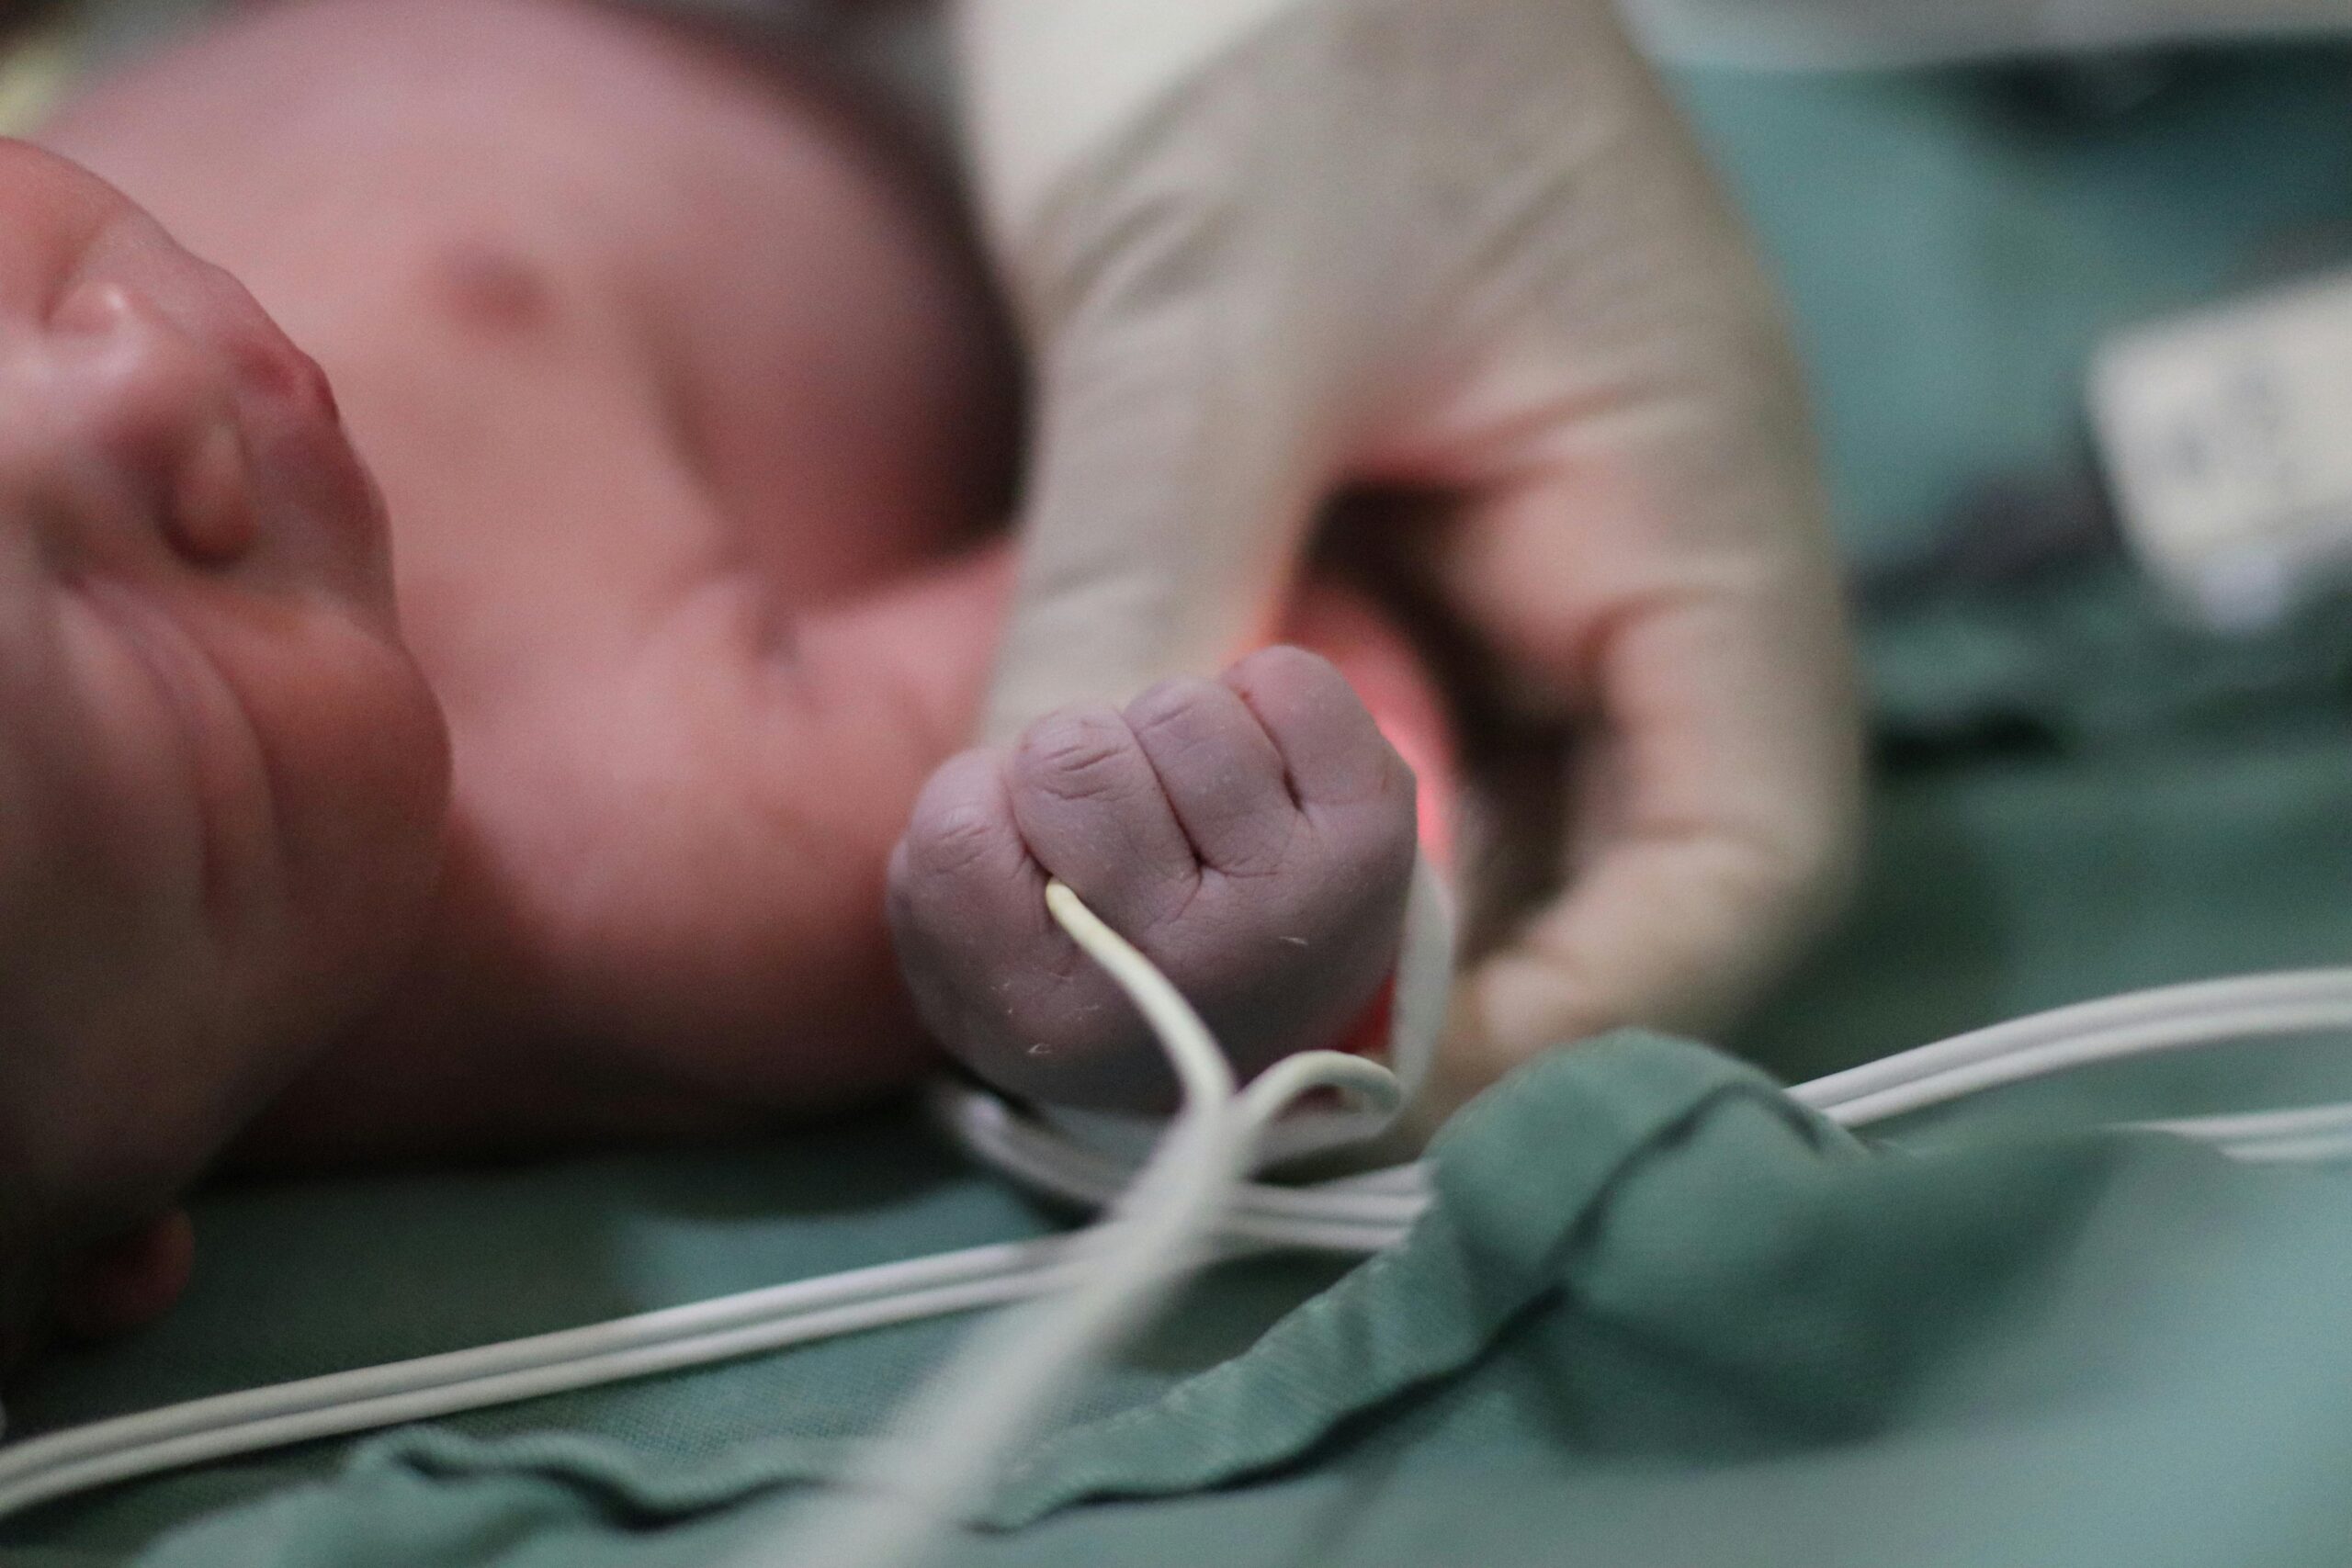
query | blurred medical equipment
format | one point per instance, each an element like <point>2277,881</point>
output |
<point>1840,34</point>
<point>2224,435</point>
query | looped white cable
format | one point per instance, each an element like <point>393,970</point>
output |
<point>958,1432</point>
<point>197,1431</point>
<point>1418,1000</point>
<point>1361,1212</point>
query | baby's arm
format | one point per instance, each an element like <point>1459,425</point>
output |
<point>1253,835</point>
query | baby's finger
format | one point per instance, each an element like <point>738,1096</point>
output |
<point>1220,771</point>
<point>1334,754</point>
<point>1093,814</point>
<point>966,898</point>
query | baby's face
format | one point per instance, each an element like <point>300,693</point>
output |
<point>221,778</point>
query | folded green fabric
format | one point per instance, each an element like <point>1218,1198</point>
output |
<point>1659,1314</point>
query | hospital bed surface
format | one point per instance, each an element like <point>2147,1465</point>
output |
<point>1659,1315</point>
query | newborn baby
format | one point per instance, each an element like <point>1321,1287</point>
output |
<point>687,420</point>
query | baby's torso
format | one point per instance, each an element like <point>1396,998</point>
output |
<point>588,286</point>
<point>685,405</point>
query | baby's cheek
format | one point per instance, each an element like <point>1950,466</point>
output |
<point>1395,685</point>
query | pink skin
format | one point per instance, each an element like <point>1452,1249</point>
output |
<point>691,418</point>
<point>220,774</point>
<point>686,406</point>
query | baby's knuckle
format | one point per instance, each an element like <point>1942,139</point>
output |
<point>953,841</point>
<point>1271,851</point>
<point>1289,664</point>
<point>1181,702</point>
<point>63,187</point>
<point>1076,754</point>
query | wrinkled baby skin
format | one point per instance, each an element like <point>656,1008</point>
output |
<point>1252,835</point>
<point>692,417</point>
<point>221,777</point>
<point>690,412</point>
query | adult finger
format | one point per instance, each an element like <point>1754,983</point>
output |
<point>1719,803</point>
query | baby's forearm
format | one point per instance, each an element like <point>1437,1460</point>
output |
<point>749,977</point>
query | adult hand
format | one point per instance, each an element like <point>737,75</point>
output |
<point>1265,250</point>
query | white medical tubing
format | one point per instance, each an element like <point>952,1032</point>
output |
<point>2303,1132</point>
<point>677,1338</point>
<point>71,1461</point>
<point>956,1435</point>
<point>1359,1212</point>
<point>2174,1017</point>
<point>195,1447</point>
<point>1045,1159</point>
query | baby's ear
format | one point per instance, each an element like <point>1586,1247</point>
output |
<point>128,1283</point>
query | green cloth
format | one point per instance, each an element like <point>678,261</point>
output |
<point>1660,1316</point>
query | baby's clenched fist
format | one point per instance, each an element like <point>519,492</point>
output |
<point>1252,835</point>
